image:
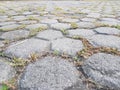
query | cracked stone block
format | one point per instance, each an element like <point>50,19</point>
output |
<point>67,46</point>
<point>7,72</point>
<point>49,35</point>
<point>15,35</point>
<point>35,26</point>
<point>104,69</point>
<point>86,25</point>
<point>49,73</point>
<point>49,21</point>
<point>9,27</point>
<point>60,26</point>
<point>22,49</point>
<point>68,20</point>
<point>107,30</point>
<point>81,32</point>
<point>105,41</point>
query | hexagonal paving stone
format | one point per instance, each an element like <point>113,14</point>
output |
<point>6,23</point>
<point>24,48</point>
<point>108,23</point>
<point>28,22</point>
<point>68,20</point>
<point>49,21</point>
<point>49,73</point>
<point>88,19</point>
<point>94,15</point>
<point>6,71</point>
<point>107,30</point>
<point>34,26</point>
<point>105,41</point>
<point>108,16</point>
<point>19,18</point>
<point>110,19</point>
<point>3,16</point>
<point>81,32</point>
<point>4,19</point>
<point>103,69</point>
<point>27,13</point>
<point>33,15</point>
<point>9,27</point>
<point>49,35</point>
<point>67,46</point>
<point>12,13</point>
<point>85,11</point>
<point>86,25</point>
<point>15,35</point>
<point>60,26</point>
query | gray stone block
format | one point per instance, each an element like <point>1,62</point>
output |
<point>104,69</point>
<point>67,46</point>
<point>23,49</point>
<point>6,71</point>
<point>49,73</point>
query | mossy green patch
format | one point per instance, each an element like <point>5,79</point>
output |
<point>74,25</point>
<point>36,30</point>
<point>4,87</point>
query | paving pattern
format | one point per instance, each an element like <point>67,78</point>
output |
<point>60,45</point>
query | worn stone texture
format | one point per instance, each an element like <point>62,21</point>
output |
<point>35,26</point>
<point>86,25</point>
<point>67,46</point>
<point>7,72</point>
<point>104,69</point>
<point>24,48</point>
<point>9,27</point>
<point>49,73</point>
<point>61,26</point>
<point>81,32</point>
<point>105,41</point>
<point>107,30</point>
<point>49,35</point>
<point>15,35</point>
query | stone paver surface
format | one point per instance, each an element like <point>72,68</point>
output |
<point>24,48</point>
<point>105,41</point>
<point>50,35</point>
<point>7,72</point>
<point>67,46</point>
<point>50,73</point>
<point>104,69</point>
<point>15,35</point>
<point>83,31</point>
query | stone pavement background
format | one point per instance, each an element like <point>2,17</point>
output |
<point>60,45</point>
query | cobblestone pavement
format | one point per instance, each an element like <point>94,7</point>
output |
<point>60,45</point>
